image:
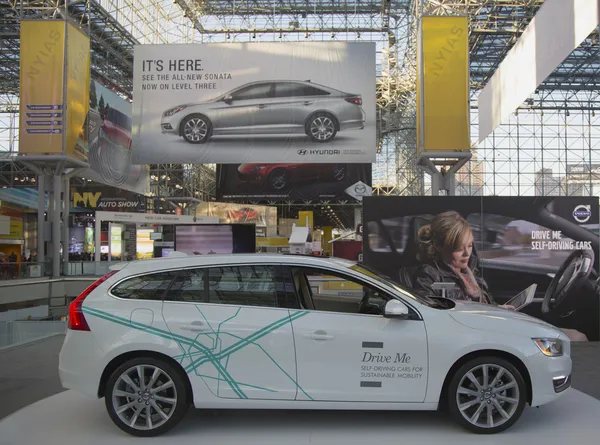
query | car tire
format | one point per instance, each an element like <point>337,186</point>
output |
<point>321,127</point>
<point>196,129</point>
<point>503,399</point>
<point>173,400</point>
<point>279,180</point>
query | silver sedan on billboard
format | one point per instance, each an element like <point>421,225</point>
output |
<point>268,107</point>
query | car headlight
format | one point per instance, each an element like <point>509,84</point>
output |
<point>552,347</point>
<point>172,111</point>
<point>257,168</point>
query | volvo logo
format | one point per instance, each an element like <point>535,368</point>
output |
<point>301,152</point>
<point>582,213</point>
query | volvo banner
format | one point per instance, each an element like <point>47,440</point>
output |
<point>270,102</point>
<point>293,182</point>
<point>538,255</point>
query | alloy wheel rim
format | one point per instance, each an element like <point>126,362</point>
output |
<point>144,397</point>
<point>322,128</point>
<point>195,129</point>
<point>488,396</point>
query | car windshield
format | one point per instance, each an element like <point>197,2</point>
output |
<point>421,297</point>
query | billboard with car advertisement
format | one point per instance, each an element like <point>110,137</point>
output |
<point>287,102</point>
<point>538,255</point>
<point>290,182</point>
<point>106,136</point>
<point>230,213</point>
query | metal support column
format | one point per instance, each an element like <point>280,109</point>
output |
<point>41,220</point>
<point>56,218</point>
<point>444,179</point>
<point>65,227</point>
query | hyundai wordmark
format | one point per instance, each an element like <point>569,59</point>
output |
<point>262,331</point>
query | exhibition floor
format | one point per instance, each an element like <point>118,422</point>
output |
<point>69,417</point>
<point>29,371</point>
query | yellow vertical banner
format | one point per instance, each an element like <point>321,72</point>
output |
<point>326,246</point>
<point>78,90</point>
<point>443,111</point>
<point>41,92</point>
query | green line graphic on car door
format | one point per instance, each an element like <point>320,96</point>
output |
<point>196,353</point>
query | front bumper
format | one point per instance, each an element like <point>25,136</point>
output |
<point>550,377</point>
<point>169,125</point>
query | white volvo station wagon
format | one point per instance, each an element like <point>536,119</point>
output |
<point>294,332</point>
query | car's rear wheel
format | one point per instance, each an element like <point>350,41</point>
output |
<point>487,395</point>
<point>146,396</point>
<point>196,129</point>
<point>321,127</point>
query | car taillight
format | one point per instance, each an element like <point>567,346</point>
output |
<point>354,100</point>
<point>77,321</point>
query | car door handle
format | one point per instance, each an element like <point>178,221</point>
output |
<point>319,335</point>
<point>262,106</point>
<point>307,103</point>
<point>195,326</point>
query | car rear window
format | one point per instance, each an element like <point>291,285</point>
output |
<point>144,287</point>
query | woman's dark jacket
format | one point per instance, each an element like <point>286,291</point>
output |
<point>440,272</point>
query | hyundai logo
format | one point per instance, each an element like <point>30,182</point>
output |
<point>582,213</point>
<point>301,152</point>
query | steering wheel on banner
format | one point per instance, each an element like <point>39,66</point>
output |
<point>571,276</point>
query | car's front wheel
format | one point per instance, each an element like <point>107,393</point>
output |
<point>146,396</point>
<point>196,129</point>
<point>321,127</point>
<point>487,395</point>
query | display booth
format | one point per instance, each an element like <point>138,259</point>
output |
<point>127,232</point>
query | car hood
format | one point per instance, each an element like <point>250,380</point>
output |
<point>491,318</point>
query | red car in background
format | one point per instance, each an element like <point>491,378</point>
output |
<point>281,176</point>
<point>245,214</point>
<point>116,128</point>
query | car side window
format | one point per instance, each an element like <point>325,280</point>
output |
<point>291,89</point>
<point>314,91</point>
<point>189,286</point>
<point>144,287</point>
<point>288,89</point>
<point>251,285</point>
<point>261,91</point>
<point>332,292</point>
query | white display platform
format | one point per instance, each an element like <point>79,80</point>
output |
<point>70,418</point>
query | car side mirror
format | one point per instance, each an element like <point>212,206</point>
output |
<point>228,99</point>
<point>396,309</point>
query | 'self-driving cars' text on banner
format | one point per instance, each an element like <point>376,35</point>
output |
<point>269,102</point>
